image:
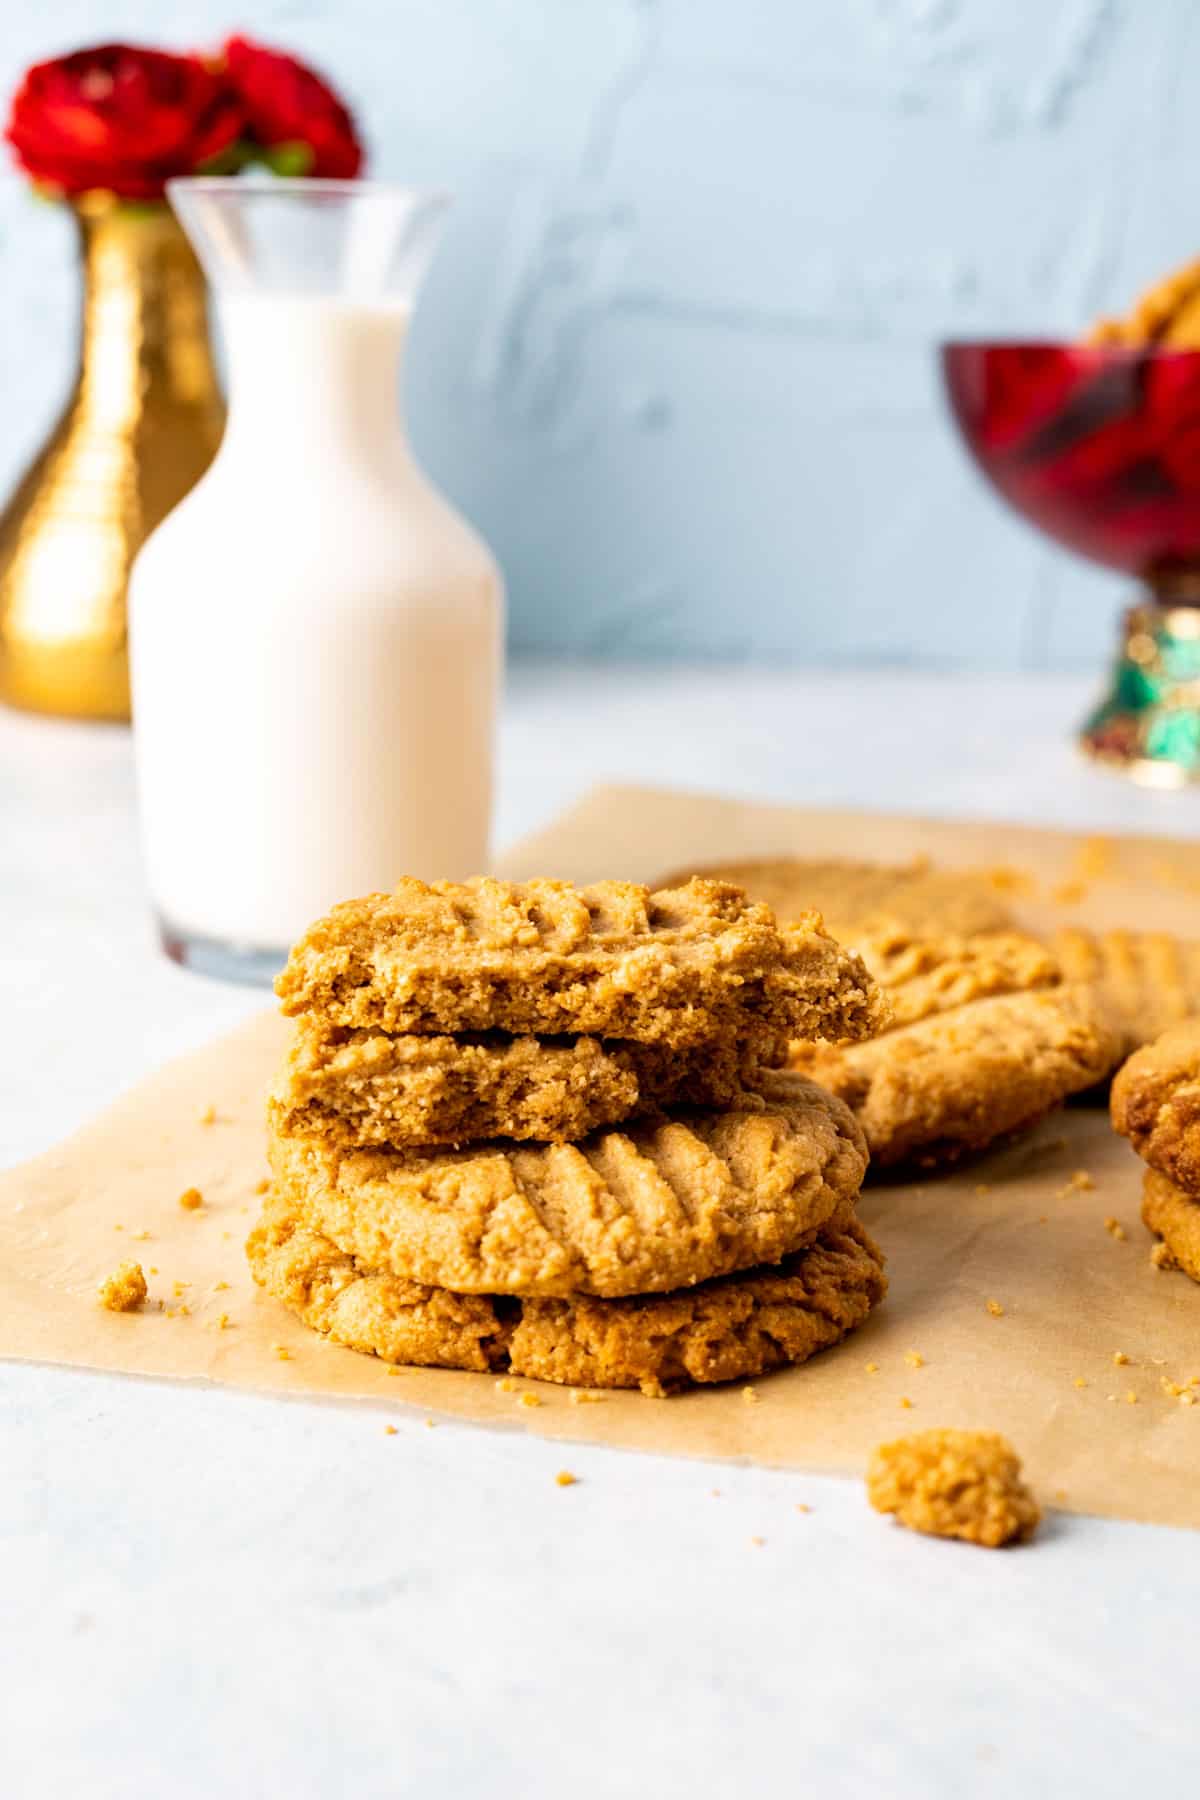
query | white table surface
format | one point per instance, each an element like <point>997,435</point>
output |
<point>206,1593</point>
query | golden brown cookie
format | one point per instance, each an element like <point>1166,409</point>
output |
<point>1167,314</point>
<point>1156,1104</point>
<point>723,1330</point>
<point>1146,980</point>
<point>921,976</point>
<point>955,1484</point>
<point>358,1088</point>
<point>956,1081</point>
<point>854,897</point>
<point>1174,1217</point>
<point>678,967</point>
<point>661,1205</point>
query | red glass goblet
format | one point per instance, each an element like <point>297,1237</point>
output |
<point>1100,448</point>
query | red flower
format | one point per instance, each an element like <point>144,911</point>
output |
<point>292,112</point>
<point>122,119</point>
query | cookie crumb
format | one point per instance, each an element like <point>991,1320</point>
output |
<point>191,1199</point>
<point>1115,1229</point>
<point>1161,1257</point>
<point>395,1369</point>
<point>750,1396</point>
<point>431,1424</point>
<point>756,1543</point>
<point>906,1403</point>
<point>506,1385</point>
<point>585,1397</point>
<point>1120,1358</point>
<point>1078,1183</point>
<point>263,1186</point>
<point>220,1287</point>
<point>995,1308</point>
<point>154,1268</point>
<point>872,1368</point>
<point>982,1188</point>
<point>800,1507</point>
<point>209,1115</point>
<point>528,1399</point>
<point>1188,1399</point>
<point>125,1289</point>
<point>1131,1398</point>
<point>282,1352</point>
<point>224,1322</point>
<point>1069,893</point>
<point>956,1484</point>
<point>142,1237</point>
<point>564,1478</point>
<point>389,1431</point>
<point>914,1359</point>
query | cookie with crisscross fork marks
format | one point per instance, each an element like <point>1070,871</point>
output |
<point>729,1329</point>
<point>643,1210</point>
<point>681,967</point>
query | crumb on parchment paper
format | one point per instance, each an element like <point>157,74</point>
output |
<point>125,1289</point>
<point>564,1478</point>
<point>191,1199</point>
<point>956,1484</point>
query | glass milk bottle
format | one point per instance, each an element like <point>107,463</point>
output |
<point>314,633</point>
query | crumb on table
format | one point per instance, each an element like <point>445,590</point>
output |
<point>125,1289</point>
<point>995,1308</point>
<point>191,1199</point>
<point>1115,1229</point>
<point>957,1484</point>
<point>564,1478</point>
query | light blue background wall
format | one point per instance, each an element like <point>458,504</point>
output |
<point>675,361</point>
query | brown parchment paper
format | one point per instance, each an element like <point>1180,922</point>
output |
<point>1010,1229</point>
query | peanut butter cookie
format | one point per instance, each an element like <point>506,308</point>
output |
<point>659,1206</point>
<point>1167,314</point>
<point>1173,1216</point>
<point>358,1088</point>
<point>854,897</point>
<point>955,1484</point>
<point>722,1330</point>
<point>1156,1104</point>
<point>955,1081</point>
<point>1146,980</point>
<point>678,968</point>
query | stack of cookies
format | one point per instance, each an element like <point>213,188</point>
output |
<point>543,1129</point>
<point>1156,1105</point>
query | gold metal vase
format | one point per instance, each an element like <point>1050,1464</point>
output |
<point>141,426</point>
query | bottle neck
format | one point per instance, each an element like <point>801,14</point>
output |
<point>312,378</point>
